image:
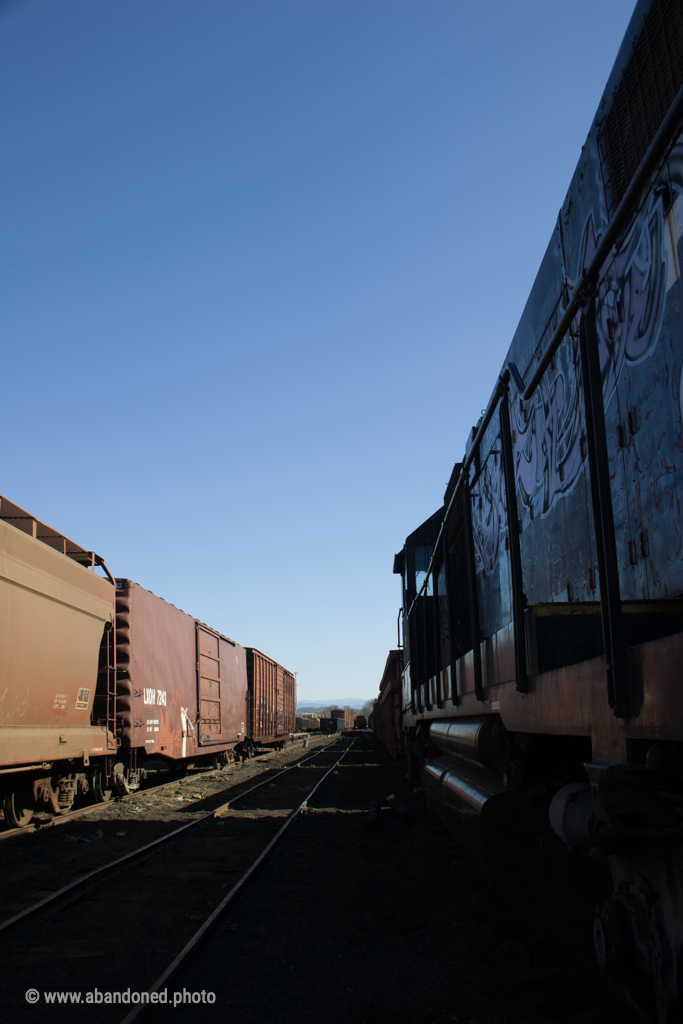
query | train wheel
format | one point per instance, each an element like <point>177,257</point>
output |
<point>101,794</point>
<point>17,814</point>
<point>121,783</point>
<point>62,793</point>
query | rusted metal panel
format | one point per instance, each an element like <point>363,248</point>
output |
<point>262,675</point>
<point>181,686</point>
<point>570,701</point>
<point>53,613</point>
<point>344,716</point>
<point>289,701</point>
<point>222,688</point>
<point>157,676</point>
<point>272,699</point>
<point>209,685</point>
<point>387,710</point>
<point>234,691</point>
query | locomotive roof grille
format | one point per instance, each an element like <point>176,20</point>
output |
<point>646,90</point>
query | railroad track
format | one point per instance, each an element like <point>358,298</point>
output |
<point>89,914</point>
<point>80,812</point>
<point>284,925</point>
<point>69,891</point>
<point>193,916</point>
<point>190,947</point>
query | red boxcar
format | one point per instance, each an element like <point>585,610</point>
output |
<point>387,713</point>
<point>346,716</point>
<point>181,686</point>
<point>272,700</point>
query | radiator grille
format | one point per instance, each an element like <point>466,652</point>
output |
<point>648,86</point>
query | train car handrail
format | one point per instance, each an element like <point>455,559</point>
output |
<point>500,389</point>
<point>622,213</point>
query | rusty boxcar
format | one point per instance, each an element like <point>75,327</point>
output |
<point>55,613</point>
<point>98,676</point>
<point>272,700</point>
<point>342,716</point>
<point>386,719</point>
<point>181,686</point>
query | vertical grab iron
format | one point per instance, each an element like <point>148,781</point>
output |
<point>472,588</point>
<point>452,660</point>
<point>603,514</point>
<point>518,597</point>
<point>436,621</point>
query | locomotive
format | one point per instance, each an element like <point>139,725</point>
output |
<point>100,678</point>
<point>539,678</point>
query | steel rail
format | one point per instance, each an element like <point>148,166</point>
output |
<point>190,946</point>
<point>287,768</point>
<point>142,852</point>
<point>59,819</point>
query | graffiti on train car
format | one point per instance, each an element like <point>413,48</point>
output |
<point>548,433</point>
<point>630,301</point>
<point>630,308</point>
<point>487,525</point>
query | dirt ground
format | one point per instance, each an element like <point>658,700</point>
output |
<point>346,921</point>
<point>383,923</point>
<point>61,850</point>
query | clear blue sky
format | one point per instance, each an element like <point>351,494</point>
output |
<point>261,261</point>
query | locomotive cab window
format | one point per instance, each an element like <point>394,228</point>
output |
<point>422,557</point>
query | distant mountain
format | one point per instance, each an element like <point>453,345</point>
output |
<point>339,702</point>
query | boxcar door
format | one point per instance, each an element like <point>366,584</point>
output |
<point>208,686</point>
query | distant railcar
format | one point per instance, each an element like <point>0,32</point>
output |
<point>343,716</point>
<point>360,722</point>
<point>308,723</point>
<point>387,711</point>
<point>272,700</point>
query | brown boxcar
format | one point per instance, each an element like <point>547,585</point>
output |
<point>345,716</point>
<point>387,712</point>
<point>181,686</point>
<point>360,722</point>
<point>54,610</point>
<point>272,700</point>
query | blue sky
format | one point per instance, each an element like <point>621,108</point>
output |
<point>260,263</point>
